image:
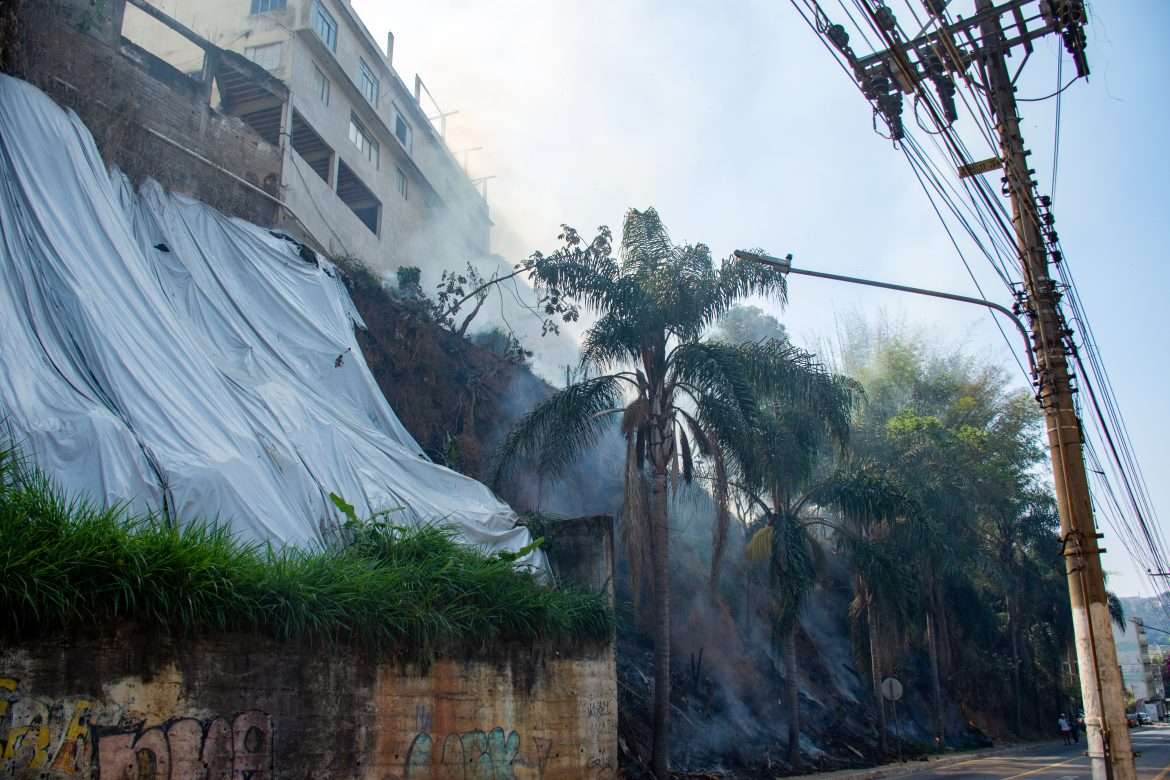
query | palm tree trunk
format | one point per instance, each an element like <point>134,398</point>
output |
<point>792,686</point>
<point>660,757</point>
<point>944,636</point>
<point>935,683</point>
<point>875,667</point>
<point>1013,631</point>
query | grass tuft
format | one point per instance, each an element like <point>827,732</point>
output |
<point>391,589</point>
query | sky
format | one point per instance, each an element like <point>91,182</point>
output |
<point>735,123</point>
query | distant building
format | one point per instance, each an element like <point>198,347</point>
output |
<point>1142,676</point>
<point>364,168</point>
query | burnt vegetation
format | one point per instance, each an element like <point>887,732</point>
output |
<point>831,523</point>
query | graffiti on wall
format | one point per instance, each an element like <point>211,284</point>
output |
<point>492,755</point>
<point>471,755</point>
<point>81,736</point>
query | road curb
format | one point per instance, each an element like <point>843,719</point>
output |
<point>916,767</point>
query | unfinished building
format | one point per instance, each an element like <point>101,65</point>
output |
<point>284,112</point>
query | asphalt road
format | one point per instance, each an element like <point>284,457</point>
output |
<point>1059,762</point>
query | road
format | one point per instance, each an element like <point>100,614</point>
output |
<point>1059,762</point>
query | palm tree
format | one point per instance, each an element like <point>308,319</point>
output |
<point>794,562</point>
<point>778,464</point>
<point>870,502</point>
<point>651,364</point>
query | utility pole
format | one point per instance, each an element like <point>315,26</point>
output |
<point>1102,689</point>
<point>907,66</point>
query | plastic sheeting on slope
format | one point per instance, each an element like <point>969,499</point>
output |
<point>159,354</point>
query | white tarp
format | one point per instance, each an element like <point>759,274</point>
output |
<point>157,353</point>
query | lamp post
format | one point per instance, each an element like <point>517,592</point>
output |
<point>784,264</point>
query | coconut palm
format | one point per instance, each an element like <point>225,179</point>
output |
<point>778,464</point>
<point>678,394</point>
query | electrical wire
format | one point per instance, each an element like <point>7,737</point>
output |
<point>1056,129</point>
<point>970,272</point>
<point>984,216</point>
<point>1050,96</point>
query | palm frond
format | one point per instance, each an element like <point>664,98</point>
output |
<point>615,338</point>
<point>737,279</point>
<point>716,370</point>
<point>759,547</point>
<point>635,521</point>
<point>1116,609</point>
<point>645,242</point>
<point>560,427</point>
<point>793,569</point>
<point>635,415</point>
<point>865,494</point>
<point>888,574</point>
<point>688,463</point>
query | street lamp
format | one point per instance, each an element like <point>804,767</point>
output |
<point>784,265</point>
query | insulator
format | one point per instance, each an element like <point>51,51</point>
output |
<point>890,105</point>
<point>884,16</point>
<point>932,64</point>
<point>1046,201</point>
<point>946,95</point>
<point>878,85</point>
<point>1057,257</point>
<point>936,7</point>
<point>838,36</point>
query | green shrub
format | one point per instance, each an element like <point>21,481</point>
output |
<point>407,590</point>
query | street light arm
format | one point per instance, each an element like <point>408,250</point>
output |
<point>785,266</point>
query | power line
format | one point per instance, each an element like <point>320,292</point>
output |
<point>995,223</point>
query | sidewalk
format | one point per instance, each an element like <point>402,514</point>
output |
<point>931,763</point>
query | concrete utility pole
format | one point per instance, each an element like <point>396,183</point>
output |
<point>935,58</point>
<point>1102,689</point>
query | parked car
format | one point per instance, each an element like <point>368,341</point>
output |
<point>1144,718</point>
<point>1132,719</point>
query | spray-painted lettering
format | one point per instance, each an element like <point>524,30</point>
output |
<point>470,755</point>
<point>77,735</point>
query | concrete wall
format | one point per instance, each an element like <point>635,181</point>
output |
<point>126,705</point>
<point>121,702</point>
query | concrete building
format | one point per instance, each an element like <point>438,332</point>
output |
<point>363,167</point>
<point>1142,676</point>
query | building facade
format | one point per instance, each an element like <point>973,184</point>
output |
<point>364,169</point>
<point>1142,675</point>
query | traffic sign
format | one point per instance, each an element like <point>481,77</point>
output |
<point>891,689</point>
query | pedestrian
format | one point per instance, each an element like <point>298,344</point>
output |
<point>1065,729</point>
<point>1075,727</point>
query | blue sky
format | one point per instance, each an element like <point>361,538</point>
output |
<point>735,123</point>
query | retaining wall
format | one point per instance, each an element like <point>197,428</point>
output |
<point>120,702</point>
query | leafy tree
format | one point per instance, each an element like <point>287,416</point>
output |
<point>410,281</point>
<point>743,324</point>
<point>779,459</point>
<point>680,396</point>
<point>504,344</point>
<point>964,450</point>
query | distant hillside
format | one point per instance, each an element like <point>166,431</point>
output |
<point>1154,615</point>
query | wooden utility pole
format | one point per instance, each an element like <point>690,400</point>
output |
<point>926,67</point>
<point>1102,692</point>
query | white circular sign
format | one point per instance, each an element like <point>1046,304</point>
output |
<point>891,689</point>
